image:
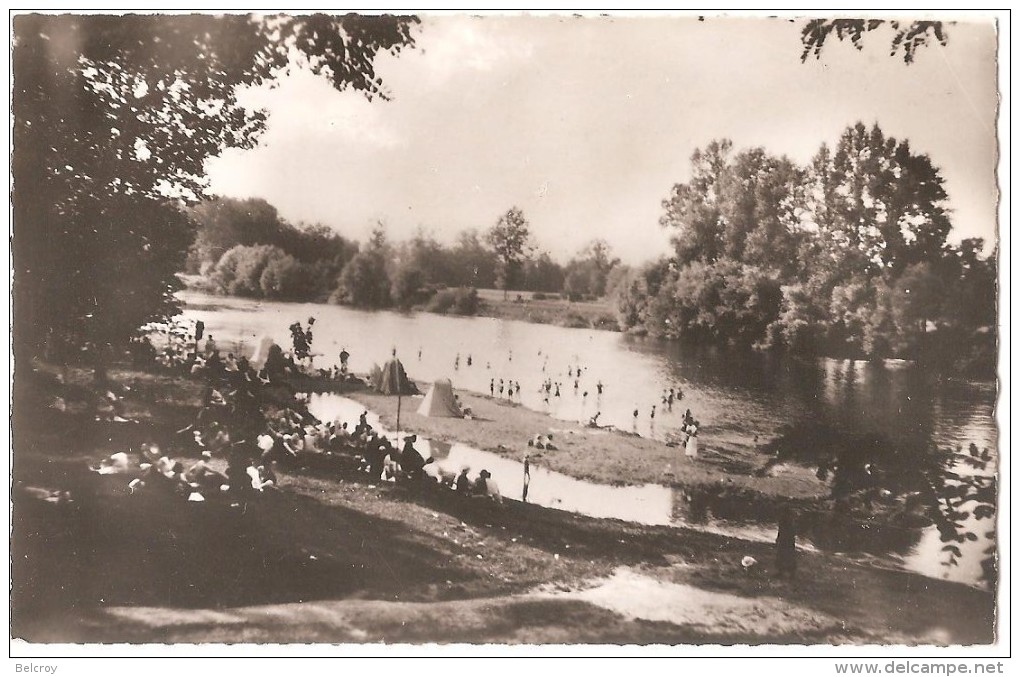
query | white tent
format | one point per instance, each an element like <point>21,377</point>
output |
<point>439,401</point>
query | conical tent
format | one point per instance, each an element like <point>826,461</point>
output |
<point>394,380</point>
<point>439,401</point>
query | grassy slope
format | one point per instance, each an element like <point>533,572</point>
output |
<point>597,314</point>
<point>331,557</point>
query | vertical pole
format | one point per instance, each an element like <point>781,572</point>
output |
<point>398,412</point>
<point>400,387</point>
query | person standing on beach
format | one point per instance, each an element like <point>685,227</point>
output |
<point>691,445</point>
<point>527,476</point>
<point>786,545</point>
<point>492,387</point>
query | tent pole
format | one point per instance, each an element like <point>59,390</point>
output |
<point>398,411</point>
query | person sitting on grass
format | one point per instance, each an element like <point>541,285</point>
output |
<point>202,477</point>
<point>238,479</point>
<point>342,434</point>
<point>375,456</point>
<point>462,484</point>
<point>116,464</point>
<point>412,463</point>
<point>547,443</point>
<point>485,486</point>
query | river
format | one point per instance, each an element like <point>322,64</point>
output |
<point>734,395</point>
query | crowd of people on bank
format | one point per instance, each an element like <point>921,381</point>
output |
<point>252,420</point>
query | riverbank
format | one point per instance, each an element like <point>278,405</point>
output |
<point>603,456</point>
<point>548,309</point>
<point>551,309</point>
<point>337,557</point>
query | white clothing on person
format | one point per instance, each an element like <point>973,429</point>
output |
<point>692,442</point>
<point>492,490</point>
<point>165,466</point>
<point>116,464</point>
<point>257,482</point>
<point>266,442</point>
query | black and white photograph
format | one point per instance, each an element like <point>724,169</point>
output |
<point>659,330</point>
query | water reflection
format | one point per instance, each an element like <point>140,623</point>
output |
<point>714,511</point>
<point>736,395</point>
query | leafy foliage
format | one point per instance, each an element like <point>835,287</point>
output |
<point>587,275</point>
<point>908,38</point>
<point>364,282</point>
<point>847,256</point>
<point>510,238</point>
<point>114,118</point>
<point>460,301</point>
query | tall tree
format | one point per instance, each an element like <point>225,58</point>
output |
<point>693,209</point>
<point>882,207</point>
<point>365,282</point>
<point>511,239</point>
<point>114,118</point>
<point>758,198</point>
<point>543,274</point>
<point>472,263</point>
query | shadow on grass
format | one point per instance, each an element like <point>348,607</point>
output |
<point>150,550</point>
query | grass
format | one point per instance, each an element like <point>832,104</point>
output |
<point>333,557</point>
<point>561,312</point>
<point>603,456</point>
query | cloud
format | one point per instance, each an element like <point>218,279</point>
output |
<point>454,45</point>
<point>306,105</point>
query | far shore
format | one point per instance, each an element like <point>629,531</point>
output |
<point>522,306</point>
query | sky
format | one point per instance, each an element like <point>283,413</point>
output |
<point>587,123</point>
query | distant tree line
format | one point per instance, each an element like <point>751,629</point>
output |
<point>845,257</point>
<point>245,248</point>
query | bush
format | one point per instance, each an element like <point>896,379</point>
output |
<point>363,282</point>
<point>574,321</point>
<point>538,296</point>
<point>605,321</point>
<point>406,288</point>
<point>460,301</point>
<point>239,270</point>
